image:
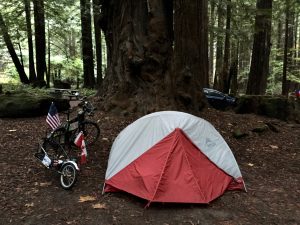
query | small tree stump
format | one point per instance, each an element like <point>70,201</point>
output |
<point>237,133</point>
<point>260,129</point>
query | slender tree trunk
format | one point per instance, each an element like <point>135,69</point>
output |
<point>291,36</point>
<point>296,34</point>
<point>40,40</point>
<point>219,52</point>
<point>21,54</point>
<point>23,78</point>
<point>32,74</point>
<point>295,52</point>
<point>67,46</point>
<point>87,44</point>
<point>96,11</point>
<point>298,45</point>
<point>259,70</point>
<point>288,46</point>
<point>224,84</point>
<point>211,41</point>
<point>279,40</point>
<point>285,54</point>
<point>191,51</point>
<point>244,63</point>
<point>233,72</point>
<point>72,44</point>
<point>279,34</point>
<point>49,57</point>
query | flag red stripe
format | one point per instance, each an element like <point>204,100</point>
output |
<point>53,123</point>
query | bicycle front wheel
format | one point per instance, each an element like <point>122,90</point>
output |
<point>91,132</point>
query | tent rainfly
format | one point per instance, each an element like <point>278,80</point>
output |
<point>172,157</point>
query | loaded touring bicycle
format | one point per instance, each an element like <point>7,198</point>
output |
<point>64,148</point>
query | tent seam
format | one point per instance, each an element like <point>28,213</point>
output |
<point>185,155</point>
<point>163,170</point>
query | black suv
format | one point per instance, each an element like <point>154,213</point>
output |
<point>218,99</point>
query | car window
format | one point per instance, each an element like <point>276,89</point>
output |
<point>215,94</point>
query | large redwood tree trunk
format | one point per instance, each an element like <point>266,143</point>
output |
<point>139,40</point>
<point>259,69</point>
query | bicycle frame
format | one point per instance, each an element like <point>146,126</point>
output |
<point>78,121</point>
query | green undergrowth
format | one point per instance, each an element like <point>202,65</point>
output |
<point>40,92</point>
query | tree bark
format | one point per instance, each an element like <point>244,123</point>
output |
<point>245,48</point>
<point>87,44</point>
<point>288,45</point>
<point>211,41</point>
<point>20,69</point>
<point>72,44</point>
<point>291,37</point>
<point>49,57</point>
<point>225,81</point>
<point>279,40</point>
<point>285,54</point>
<point>233,72</point>
<point>96,12</point>
<point>40,40</point>
<point>259,69</point>
<point>21,54</point>
<point>139,47</point>
<point>298,41</point>
<point>295,38</point>
<point>279,35</point>
<point>32,74</point>
<point>190,52</point>
<point>219,51</point>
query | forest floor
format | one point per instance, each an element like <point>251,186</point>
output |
<point>269,161</point>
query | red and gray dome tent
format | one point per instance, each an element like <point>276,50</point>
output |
<point>172,157</point>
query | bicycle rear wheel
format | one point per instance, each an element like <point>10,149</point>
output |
<point>68,176</point>
<point>91,132</point>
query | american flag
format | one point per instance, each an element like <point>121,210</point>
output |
<point>52,117</point>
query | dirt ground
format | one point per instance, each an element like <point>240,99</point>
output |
<point>269,161</point>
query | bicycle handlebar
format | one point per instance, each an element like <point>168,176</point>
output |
<point>75,95</point>
<point>88,107</point>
